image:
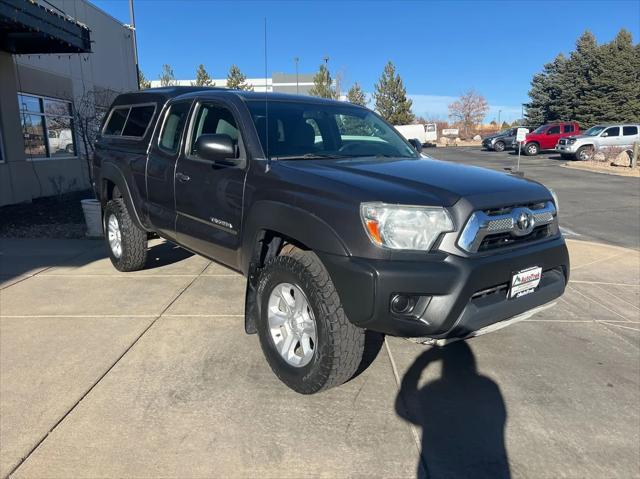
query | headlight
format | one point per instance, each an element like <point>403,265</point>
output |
<point>572,141</point>
<point>555,200</point>
<point>404,227</point>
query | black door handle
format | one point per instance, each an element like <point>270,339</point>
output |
<point>182,177</point>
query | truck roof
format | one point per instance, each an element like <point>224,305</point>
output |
<point>163,94</point>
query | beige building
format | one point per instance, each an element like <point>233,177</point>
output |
<point>60,62</point>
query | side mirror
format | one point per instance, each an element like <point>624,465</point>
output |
<point>216,148</point>
<point>416,144</point>
<point>605,134</point>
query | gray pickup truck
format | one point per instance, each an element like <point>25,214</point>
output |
<point>338,223</point>
<point>599,137</point>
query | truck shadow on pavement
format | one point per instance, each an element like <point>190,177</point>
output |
<point>164,254</point>
<point>462,415</point>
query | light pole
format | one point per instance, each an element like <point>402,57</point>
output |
<point>499,124</point>
<point>296,59</point>
<point>135,41</point>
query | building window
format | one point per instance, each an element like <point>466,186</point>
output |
<point>50,119</point>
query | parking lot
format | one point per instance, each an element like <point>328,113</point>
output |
<point>150,374</point>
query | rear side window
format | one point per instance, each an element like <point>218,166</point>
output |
<point>130,121</point>
<point>568,128</point>
<point>173,126</point>
<point>116,121</point>
<point>629,130</point>
<point>138,120</point>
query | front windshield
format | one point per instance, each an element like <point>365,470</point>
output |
<point>301,130</point>
<point>540,129</point>
<point>594,130</point>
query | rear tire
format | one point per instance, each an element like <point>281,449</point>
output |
<point>127,244</point>
<point>499,146</point>
<point>338,345</point>
<point>531,149</point>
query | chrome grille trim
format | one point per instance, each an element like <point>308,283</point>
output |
<point>483,224</point>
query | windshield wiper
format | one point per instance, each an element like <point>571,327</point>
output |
<point>311,156</point>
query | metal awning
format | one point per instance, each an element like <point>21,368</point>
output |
<point>28,27</point>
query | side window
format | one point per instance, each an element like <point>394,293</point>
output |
<point>554,130</point>
<point>568,128</point>
<point>213,119</point>
<point>629,130</point>
<point>116,121</point>
<point>138,121</point>
<point>172,127</point>
<point>613,131</point>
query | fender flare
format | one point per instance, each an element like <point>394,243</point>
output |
<point>292,222</point>
<point>110,171</point>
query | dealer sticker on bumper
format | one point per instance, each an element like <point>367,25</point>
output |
<point>525,282</point>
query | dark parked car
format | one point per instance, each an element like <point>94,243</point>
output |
<point>501,140</point>
<point>337,222</point>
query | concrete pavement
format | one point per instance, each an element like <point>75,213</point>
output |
<point>150,374</point>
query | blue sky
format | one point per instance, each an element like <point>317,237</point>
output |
<point>441,49</point>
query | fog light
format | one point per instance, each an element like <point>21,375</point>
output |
<point>402,304</point>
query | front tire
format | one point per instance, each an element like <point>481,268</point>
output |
<point>304,333</point>
<point>531,149</point>
<point>127,244</point>
<point>584,153</point>
<point>499,146</point>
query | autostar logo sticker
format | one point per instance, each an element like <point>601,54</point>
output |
<point>523,221</point>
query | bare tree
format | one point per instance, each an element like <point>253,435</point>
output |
<point>469,111</point>
<point>167,78</point>
<point>89,110</point>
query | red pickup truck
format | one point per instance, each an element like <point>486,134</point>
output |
<point>546,137</point>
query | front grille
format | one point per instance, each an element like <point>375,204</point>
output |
<point>500,240</point>
<point>508,226</point>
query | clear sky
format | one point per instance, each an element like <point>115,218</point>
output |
<point>440,48</point>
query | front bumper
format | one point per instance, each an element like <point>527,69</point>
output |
<point>566,149</point>
<point>467,293</point>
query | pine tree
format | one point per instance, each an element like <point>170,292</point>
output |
<point>595,84</point>
<point>143,83</point>
<point>237,80</point>
<point>391,98</point>
<point>356,95</point>
<point>322,84</point>
<point>167,78</point>
<point>202,77</point>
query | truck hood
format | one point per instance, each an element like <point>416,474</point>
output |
<point>418,181</point>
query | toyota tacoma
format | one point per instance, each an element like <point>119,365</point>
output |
<point>338,223</point>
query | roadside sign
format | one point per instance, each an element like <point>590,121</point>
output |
<point>450,131</point>
<point>521,134</point>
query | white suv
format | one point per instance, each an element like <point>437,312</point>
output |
<point>583,147</point>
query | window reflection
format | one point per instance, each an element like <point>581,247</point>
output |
<point>48,118</point>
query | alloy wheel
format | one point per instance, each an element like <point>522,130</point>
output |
<point>292,324</point>
<point>114,236</point>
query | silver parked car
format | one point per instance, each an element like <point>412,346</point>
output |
<point>583,147</point>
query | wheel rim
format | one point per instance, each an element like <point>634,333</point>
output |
<point>499,146</point>
<point>114,236</point>
<point>533,149</point>
<point>291,324</point>
<point>585,154</point>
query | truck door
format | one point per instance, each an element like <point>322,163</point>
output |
<point>610,137</point>
<point>160,169</point>
<point>208,194</point>
<point>550,140</point>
